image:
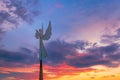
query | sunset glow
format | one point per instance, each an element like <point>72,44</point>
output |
<point>85,41</point>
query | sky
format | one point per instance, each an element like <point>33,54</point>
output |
<point>85,41</point>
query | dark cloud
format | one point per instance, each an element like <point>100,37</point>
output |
<point>86,61</point>
<point>118,33</point>
<point>15,12</point>
<point>24,9</point>
<point>3,16</point>
<point>60,52</point>
<point>63,52</point>
<point>111,38</point>
<point>17,59</point>
<point>107,54</point>
<point>109,49</point>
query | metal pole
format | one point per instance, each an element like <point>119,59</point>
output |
<point>41,36</point>
<point>41,71</point>
<point>41,66</point>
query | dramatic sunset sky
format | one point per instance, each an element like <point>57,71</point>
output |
<point>85,41</point>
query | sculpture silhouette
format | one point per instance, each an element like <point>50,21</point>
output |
<point>42,51</point>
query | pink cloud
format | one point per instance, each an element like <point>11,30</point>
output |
<point>26,69</point>
<point>58,5</point>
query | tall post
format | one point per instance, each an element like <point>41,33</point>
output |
<point>42,51</point>
<point>41,71</point>
<point>40,60</point>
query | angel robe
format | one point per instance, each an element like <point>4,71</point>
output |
<point>42,50</point>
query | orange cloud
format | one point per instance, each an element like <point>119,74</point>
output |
<point>50,72</point>
<point>64,70</point>
<point>26,69</point>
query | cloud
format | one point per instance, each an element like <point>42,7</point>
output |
<point>15,12</point>
<point>107,55</point>
<point>63,52</point>
<point>58,5</point>
<point>20,76</point>
<point>63,59</point>
<point>17,59</point>
<point>9,78</point>
<point>106,38</point>
<point>109,49</point>
<point>26,69</point>
<point>60,52</point>
<point>64,69</point>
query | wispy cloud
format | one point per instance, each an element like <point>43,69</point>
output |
<point>58,5</point>
<point>113,38</point>
<point>15,12</point>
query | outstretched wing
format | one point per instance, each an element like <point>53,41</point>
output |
<point>48,32</point>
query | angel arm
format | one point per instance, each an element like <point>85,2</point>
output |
<point>48,32</point>
<point>37,34</point>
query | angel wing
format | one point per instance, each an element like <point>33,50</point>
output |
<point>48,32</point>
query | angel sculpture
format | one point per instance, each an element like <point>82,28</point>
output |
<point>41,36</point>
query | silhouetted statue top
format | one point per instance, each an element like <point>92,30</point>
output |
<point>43,36</point>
